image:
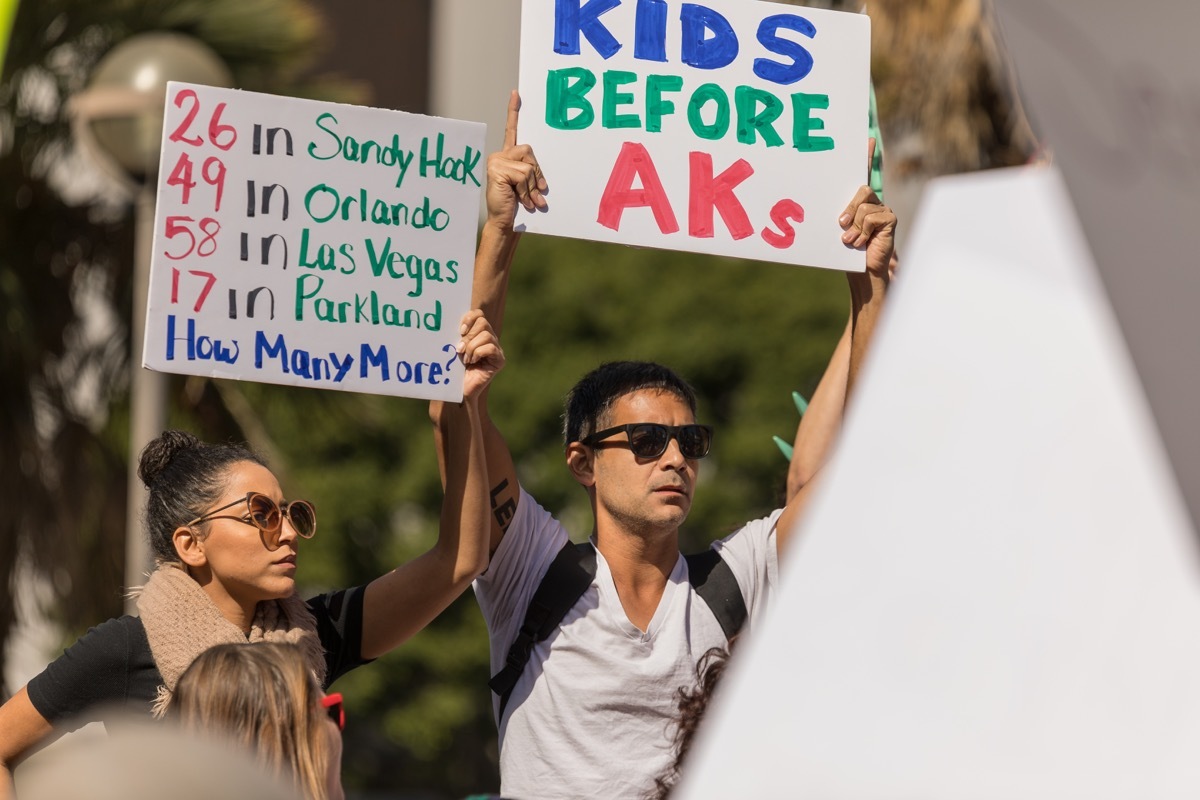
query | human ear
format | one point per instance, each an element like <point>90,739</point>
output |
<point>579,461</point>
<point>188,547</point>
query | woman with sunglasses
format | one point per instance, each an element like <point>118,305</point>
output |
<point>226,542</point>
<point>262,699</point>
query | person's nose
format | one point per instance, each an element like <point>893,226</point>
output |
<point>287,531</point>
<point>672,457</point>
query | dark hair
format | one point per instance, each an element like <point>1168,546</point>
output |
<point>596,392</point>
<point>693,703</point>
<point>185,476</point>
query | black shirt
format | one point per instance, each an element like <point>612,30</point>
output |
<point>111,666</point>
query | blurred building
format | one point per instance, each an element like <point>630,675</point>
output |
<point>450,58</point>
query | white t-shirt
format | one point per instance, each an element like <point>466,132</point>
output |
<point>593,713</point>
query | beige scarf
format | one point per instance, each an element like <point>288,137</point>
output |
<point>181,623</point>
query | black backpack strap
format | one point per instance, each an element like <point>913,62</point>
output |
<point>567,578</point>
<point>713,580</point>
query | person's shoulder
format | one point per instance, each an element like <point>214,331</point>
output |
<point>95,670</point>
<point>760,527</point>
<point>124,631</point>
<point>127,622</point>
<point>337,602</point>
<point>750,546</point>
<point>531,526</point>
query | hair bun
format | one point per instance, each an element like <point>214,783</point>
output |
<point>159,454</point>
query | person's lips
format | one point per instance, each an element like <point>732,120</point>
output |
<point>290,558</point>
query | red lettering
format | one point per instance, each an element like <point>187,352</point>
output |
<point>708,192</point>
<point>634,162</point>
<point>781,212</point>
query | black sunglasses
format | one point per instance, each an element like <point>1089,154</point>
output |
<point>267,515</point>
<point>650,439</point>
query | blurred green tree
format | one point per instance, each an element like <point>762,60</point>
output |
<point>64,280</point>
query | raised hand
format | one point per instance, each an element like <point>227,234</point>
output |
<point>513,175</point>
<point>871,225</point>
<point>480,352</point>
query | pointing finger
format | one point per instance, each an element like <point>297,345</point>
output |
<point>510,125</point>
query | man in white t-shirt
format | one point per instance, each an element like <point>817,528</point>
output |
<point>591,714</point>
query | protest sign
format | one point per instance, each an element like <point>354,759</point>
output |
<point>998,621</point>
<point>312,244</point>
<point>725,127</point>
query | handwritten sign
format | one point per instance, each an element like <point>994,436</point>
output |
<point>312,244</point>
<point>724,127</point>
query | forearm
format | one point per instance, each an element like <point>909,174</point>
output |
<point>867,294</point>
<point>489,291</point>
<point>822,420</point>
<point>870,226</point>
<point>405,600</point>
<point>493,258</point>
<point>465,517</point>
<point>22,730</point>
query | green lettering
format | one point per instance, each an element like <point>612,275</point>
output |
<point>612,98</point>
<point>656,106</point>
<point>413,267</point>
<point>720,125</point>
<point>380,213</point>
<point>563,95</point>
<point>312,146</point>
<point>302,295</point>
<point>803,123</point>
<point>751,121</point>
<point>322,189</point>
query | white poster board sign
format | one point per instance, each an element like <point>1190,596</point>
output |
<point>725,127</point>
<point>312,244</point>
<point>1002,619</point>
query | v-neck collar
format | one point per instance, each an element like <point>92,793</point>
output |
<point>611,600</point>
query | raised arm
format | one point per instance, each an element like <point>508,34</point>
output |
<point>822,420</point>
<point>513,177</point>
<point>22,729</point>
<point>870,226</point>
<point>405,600</point>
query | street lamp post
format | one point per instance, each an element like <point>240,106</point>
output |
<point>119,120</point>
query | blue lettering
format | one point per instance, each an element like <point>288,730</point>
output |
<point>341,365</point>
<point>650,31</point>
<point>203,348</point>
<point>172,338</point>
<point>802,60</point>
<point>300,363</point>
<point>700,50</point>
<point>277,350</point>
<point>572,17</point>
<point>373,358</point>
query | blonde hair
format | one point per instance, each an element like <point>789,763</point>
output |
<point>260,696</point>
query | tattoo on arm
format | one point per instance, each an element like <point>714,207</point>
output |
<point>503,510</point>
